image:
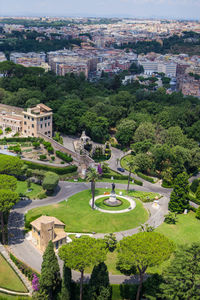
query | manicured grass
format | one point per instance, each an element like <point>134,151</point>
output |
<point>78,216</point>
<point>8,278</point>
<point>186,230</point>
<point>124,204</point>
<point>11,297</point>
<point>22,188</point>
<point>122,181</point>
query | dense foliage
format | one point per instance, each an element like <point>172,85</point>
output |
<point>50,182</point>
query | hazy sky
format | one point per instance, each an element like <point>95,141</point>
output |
<point>128,8</point>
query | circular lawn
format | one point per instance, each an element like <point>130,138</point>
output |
<point>78,216</point>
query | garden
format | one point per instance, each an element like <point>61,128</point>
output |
<point>79,217</point>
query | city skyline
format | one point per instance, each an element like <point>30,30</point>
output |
<point>177,9</point>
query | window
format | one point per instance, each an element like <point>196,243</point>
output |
<point>41,119</point>
<point>49,132</point>
<point>49,117</point>
<point>25,131</point>
<point>24,122</point>
<point>45,124</point>
<point>45,118</point>
<point>32,134</point>
<point>24,116</point>
<point>48,123</point>
<point>32,119</point>
<point>41,126</point>
<point>28,118</point>
<point>32,125</point>
<point>45,133</point>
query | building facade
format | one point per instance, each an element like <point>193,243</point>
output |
<point>29,122</point>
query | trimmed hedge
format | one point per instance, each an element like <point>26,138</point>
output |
<point>122,177</point>
<point>57,170</point>
<point>145,177</point>
<point>50,181</point>
<point>26,270</point>
<point>64,156</point>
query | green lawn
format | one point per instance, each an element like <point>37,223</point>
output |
<point>9,279</point>
<point>78,216</point>
<point>100,203</point>
<point>22,188</point>
<point>125,160</point>
<point>10,297</point>
<point>186,230</point>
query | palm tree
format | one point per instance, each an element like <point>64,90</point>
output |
<point>92,176</point>
<point>130,165</point>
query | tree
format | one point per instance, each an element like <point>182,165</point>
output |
<point>83,253</point>
<point>8,199</point>
<point>65,293</point>
<point>143,250</point>
<point>125,131</point>
<point>181,278</point>
<point>145,131</point>
<point>170,218</point>
<point>179,196</point>
<point>194,185</point>
<point>99,279</point>
<point>8,182</point>
<point>10,165</point>
<point>92,176</point>
<point>50,181</point>
<point>143,162</point>
<point>50,280</point>
<point>111,241</point>
<point>130,165</point>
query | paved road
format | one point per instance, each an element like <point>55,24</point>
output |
<point>31,256</point>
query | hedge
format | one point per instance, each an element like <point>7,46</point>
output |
<point>26,270</point>
<point>64,156</point>
<point>122,177</point>
<point>145,177</point>
<point>50,181</point>
<point>21,139</point>
<point>57,170</point>
<point>193,199</point>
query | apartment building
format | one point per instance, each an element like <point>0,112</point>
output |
<point>30,121</point>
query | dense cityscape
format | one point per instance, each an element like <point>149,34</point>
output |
<point>99,157</point>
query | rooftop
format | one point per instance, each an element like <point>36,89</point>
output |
<point>45,220</point>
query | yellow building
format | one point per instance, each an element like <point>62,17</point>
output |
<point>45,229</point>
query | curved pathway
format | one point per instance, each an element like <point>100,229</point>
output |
<point>26,252</point>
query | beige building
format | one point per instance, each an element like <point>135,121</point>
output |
<point>37,119</point>
<point>45,229</point>
<point>30,121</point>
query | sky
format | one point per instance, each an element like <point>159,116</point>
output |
<point>181,9</point>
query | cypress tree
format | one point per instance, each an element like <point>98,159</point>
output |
<point>50,280</point>
<point>66,284</point>
<point>99,280</point>
<point>179,196</point>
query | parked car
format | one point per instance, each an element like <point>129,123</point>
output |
<point>120,169</point>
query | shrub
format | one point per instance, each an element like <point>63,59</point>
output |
<point>41,195</point>
<point>52,158</point>
<point>194,185</point>
<point>171,218</point>
<point>8,129</point>
<point>57,170</point>
<point>138,182</point>
<point>67,158</point>
<point>43,157</point>
<point>198,213</point>
<point>1,131</point>
<point>50,182</point>
<point>46,144</point>
<point>166,185</point>
<point>145,177</point>
<point>36,145</point>
<point>50,149</point>
<point>198,193</point>
<point>26,270</point>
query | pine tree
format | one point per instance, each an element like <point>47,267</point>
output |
<point>179,196</point>
<point>181,278</point>
<point>99,279</point>
<point>66,284</point>
<point>50,280</point>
